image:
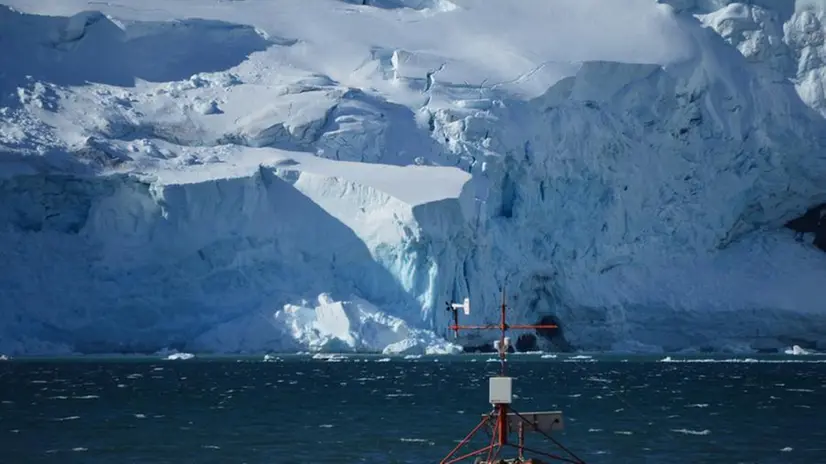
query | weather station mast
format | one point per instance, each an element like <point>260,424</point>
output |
<point>504,420</point>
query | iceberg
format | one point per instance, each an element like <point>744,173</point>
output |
<point>246,178</point>
<point>180,357</point>
<point>797,351</point>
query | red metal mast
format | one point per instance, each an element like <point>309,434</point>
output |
<point>503,419</point>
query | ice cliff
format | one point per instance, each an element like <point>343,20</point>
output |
<point>233,176</point>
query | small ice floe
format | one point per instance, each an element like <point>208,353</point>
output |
<point>796,350</point>
<point>329,357</point>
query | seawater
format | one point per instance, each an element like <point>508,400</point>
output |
<point>374,409</point>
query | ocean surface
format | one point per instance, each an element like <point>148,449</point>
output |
<point>372,409</point>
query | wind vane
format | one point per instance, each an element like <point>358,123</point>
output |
<point>503,420</point>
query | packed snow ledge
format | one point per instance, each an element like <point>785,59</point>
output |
<point>235,176</point>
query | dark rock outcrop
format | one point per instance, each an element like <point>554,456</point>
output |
<point>813,221</point>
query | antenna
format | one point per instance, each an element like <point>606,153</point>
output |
<point>455,307</point>
<point>504,419</point>
<point>465,306</point>
<point>501,345</point>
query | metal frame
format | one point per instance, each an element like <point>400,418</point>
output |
<point>498,419</point>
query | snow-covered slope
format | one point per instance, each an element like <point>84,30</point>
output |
<point>212,175</point>
<point>783,38</point>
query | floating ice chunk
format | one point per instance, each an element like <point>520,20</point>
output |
<point>797,350</point>
<point>179,356</point>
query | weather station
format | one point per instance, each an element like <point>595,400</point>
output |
<point>504,420</point>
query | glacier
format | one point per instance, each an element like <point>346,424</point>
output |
<point>234,176</point>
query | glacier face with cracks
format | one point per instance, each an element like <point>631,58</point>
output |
<point>216,264</point>
<point>255,185</point>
